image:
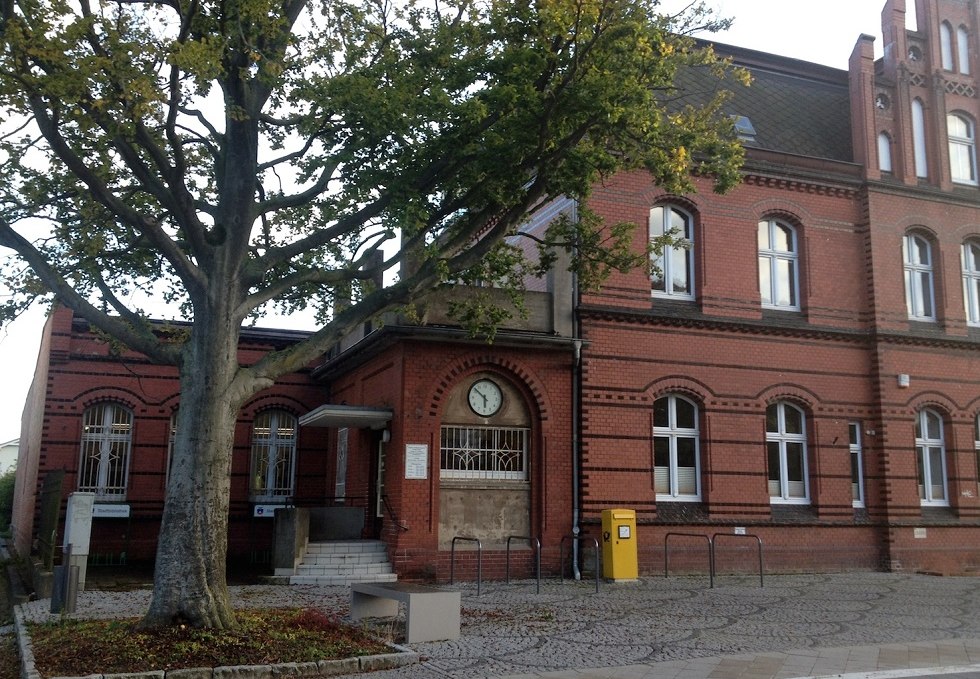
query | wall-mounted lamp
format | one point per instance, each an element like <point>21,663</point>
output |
<point>386,436</point>
<point>904,381</point>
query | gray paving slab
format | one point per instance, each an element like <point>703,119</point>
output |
<point>676,628</point>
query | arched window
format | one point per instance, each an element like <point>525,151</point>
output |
<point>786,454</point>
<point>676,461</point>
<point>919,138</point>
<point>963,49</point>
<point>946,45</point>
<point>971,281</point>
<point>672,271</point>
<point>930,458</point>
<point>962,149</point>
<point>107,437</point>
<point>919,297</point>
<point>778,265</point>
<point>884,152</point>
<point>273,456</point>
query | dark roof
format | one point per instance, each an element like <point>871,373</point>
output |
<point>795,107</point>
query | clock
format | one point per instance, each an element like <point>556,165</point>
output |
<point>485,397</point>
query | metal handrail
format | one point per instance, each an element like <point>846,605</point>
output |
<point>711,558</point>
<point>536,544</point>
<point>391,513</point>
<point>479,560</point>
<point>715,537</point>
<point>561,556</point>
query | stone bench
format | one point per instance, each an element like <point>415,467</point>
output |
<point>431,614</point>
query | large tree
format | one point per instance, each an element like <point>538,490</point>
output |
<point>236,156</point>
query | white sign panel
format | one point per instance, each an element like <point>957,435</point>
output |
<point>416,460</point>
<point>112,511</point>
<point>266,511</point>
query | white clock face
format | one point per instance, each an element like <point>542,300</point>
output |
<point>485,398</point>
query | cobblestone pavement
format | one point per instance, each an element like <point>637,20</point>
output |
<point>796,625</point>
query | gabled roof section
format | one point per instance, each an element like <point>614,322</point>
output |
<point>795,107</point>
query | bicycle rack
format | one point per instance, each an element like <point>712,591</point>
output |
<point>711,553</point>
<point>479,560</point>
<point>715,537</point>
<point>561,556</point>
<point>536,544</point>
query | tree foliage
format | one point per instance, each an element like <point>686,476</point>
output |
<point>241,156</point>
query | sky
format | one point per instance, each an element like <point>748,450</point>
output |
<point>822,32</point>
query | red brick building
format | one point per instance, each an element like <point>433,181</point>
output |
<point>807,371</point>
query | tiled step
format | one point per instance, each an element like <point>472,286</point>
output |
<point>341,563</point>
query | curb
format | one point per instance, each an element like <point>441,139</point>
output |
<point>400,657</point>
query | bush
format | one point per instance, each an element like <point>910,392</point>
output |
<point>6,499</point>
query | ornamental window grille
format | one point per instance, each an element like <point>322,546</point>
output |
<point>484,452</point>
<point>107,430</point>
<point>273,455</point>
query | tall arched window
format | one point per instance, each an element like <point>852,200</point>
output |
<point>273,456</point>
<point>676,461</point>
<point>107,437</point>
<point>930,458</point>
<point>786,454</point>
<point>963,49</point>
<point>919,138</point>
<point>884,152</point>
<point>946,45</point>
<point>971,281</point>
<point>778,265</point>
<point>672,272</point>
<point>919,296</point>
<point>962,149</point>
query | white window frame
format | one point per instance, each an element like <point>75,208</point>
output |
<point>884,152</point>
<point>857,464</point>
<point>770,261</point>
<point>919,139</point>
<point>971,281</point>
<point>963,49</point>
<point>920,296</point>
<point>673,434</point>
<point>962,149</point>
<point>106,451</point>
<point>478,452</point>
<point>925,446</point>
<point>274,444</point>
<point>674,258</point>
<point>782,492</point>
<point>946,46</point>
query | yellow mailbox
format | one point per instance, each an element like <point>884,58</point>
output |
<point>619,553</point>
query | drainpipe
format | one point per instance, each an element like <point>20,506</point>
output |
<point>576,408</point>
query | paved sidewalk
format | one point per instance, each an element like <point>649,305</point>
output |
<point>677,628</point>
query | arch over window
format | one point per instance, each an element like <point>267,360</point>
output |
<point>961,134</point>
<point>676,448</point>
<point>930,458</point>
<point>273,456</point>
<point>107,439</point>
<point>884,152</point>
<point>778,265</point>
<point>970,256</point>
<point>946,45</point>
<point>919,295</point>
<point>963,49</point>
<point>786,454</point>
<point>672,271</point>
<point>919,138</point>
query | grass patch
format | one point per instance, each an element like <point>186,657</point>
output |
<point>71,647</point>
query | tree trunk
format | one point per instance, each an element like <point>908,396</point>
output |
<point>189,581</point>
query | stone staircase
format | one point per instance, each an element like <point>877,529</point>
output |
<point>343,562</point>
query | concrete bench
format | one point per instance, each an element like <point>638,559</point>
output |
<point>431,614</point>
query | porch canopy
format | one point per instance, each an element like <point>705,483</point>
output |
<point>329,415</point>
